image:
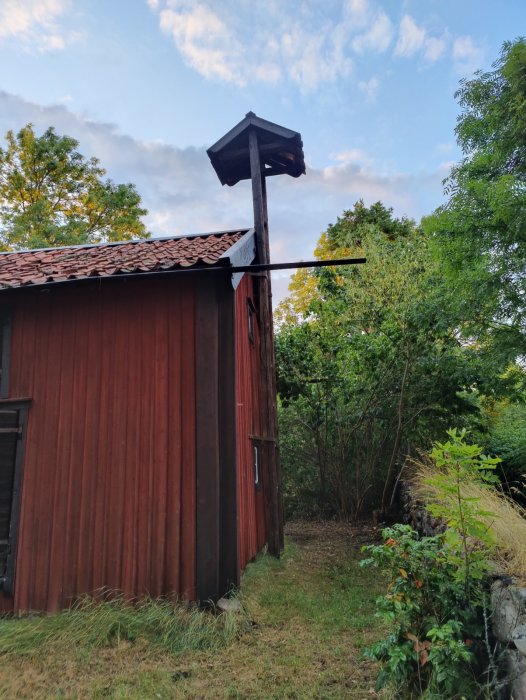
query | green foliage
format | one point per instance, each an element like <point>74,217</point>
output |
<point>307,496</point>
<point>51,195</point>
<point>434,646</point>
<point>369,365</point>
<point>347,231</point>
<point>467,538</point>
<point>480,231</point>
<point>436,598</point>
<point>507,438</point>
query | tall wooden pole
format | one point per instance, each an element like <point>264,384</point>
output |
<point>269,447</point>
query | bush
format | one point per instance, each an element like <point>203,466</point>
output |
<point>436,601</point>
<point>434,639</point>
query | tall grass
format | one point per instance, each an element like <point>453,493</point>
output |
<point>505,518</point>
<point>92,624</point>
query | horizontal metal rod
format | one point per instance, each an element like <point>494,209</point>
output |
<point>191,270</point>
<point>293,265</point>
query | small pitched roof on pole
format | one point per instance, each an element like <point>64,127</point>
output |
<point>280,151</point>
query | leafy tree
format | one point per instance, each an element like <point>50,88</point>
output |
<point>370,365</point>
<point>51,195</point>
<point>341,239</point>
<point>482,228</point>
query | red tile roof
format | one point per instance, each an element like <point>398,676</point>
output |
<point>50,265</point>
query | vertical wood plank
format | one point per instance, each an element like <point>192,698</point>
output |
<point>188,429</point>
<point>228,523</point>
<point>173,483</point>
<point>207,452</point>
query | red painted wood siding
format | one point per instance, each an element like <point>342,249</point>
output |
<point>108,495</point>
<point>251,524</point>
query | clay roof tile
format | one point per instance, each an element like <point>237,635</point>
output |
<point>106,259</point>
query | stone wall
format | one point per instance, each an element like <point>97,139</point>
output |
<point>416,514</point>
<point>508,603</point>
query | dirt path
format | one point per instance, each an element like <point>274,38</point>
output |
<point>310,617</point>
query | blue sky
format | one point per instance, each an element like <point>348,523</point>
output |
<point>148,85</point>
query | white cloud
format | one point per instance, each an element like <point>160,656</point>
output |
<point>377,37</point>
<point>353,155</point>
<point>311,59</point>
<point>413,40</point>
<point>305,47</point>
<point>411,37</point>
<point>302,44</point>
<point>52,42</point>
<point>467,55</point>
<point>357,11</point>
<point>434,49</point>
<point>268,73</point>
<point>369,87</point>
<point>205,42</point>
<point>358,180</point>
<point>35,23</point>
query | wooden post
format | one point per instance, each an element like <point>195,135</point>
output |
<point>269,448</point>
<point>259,199</point>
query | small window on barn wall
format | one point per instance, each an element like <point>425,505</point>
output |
<point>5,351</point>
<point>251,311</point>
<point>12,427</point>
<point>256,451</point>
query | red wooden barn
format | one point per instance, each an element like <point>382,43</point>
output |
<point>131,421</point>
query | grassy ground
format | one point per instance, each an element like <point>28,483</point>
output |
<point>307,620</point>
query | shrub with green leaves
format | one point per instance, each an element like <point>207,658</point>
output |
<point>435,603</point>
<point>431,648</point>
<point>468,539</point>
